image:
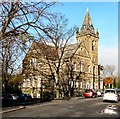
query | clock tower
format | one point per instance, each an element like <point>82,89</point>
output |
<point>89,37</point>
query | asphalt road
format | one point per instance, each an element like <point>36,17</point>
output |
<point>91,107</point>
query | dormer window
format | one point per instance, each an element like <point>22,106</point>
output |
<point>84,26</point>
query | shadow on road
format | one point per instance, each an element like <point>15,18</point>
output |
<point>20,103</point>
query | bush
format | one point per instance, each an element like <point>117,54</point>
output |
<point>47,96</point>
<point>106,87</point>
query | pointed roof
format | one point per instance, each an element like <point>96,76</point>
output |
<point>87,24</point>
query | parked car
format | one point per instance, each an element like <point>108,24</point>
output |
<point>6,98</point>
<point>110,95</point>
<point>90,93</point>
<point>24,97</point>
<point>99,93</point>
<point>14,96</point>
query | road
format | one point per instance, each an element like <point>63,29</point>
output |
<point>76,107</point>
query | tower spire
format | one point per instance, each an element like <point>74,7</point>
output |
<point>87,24</point>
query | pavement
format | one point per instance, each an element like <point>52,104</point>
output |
<point>14,108</point>
<point>11,109</point>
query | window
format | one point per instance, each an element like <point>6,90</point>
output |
<point>28,83</point>
<point>33,82</point>
<point>93,45</point>
<point>88,90</point>
<point>90,23</point>
<point>81,66</point>
<point>39,82</point>
<point>72,84</point>
<point>110,91</point>
<point>74,66</point>
<point>24,84</point>
<point>84,26</point>
<point>33,62</point>
<point>77,84</point>
<point>81,84</point>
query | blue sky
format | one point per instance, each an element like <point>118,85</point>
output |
<point>104,16</point>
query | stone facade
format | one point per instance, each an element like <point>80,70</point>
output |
<point>36,72</point>
<point>84,62</point>
<point>89,37</point>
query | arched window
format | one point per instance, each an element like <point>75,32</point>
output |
<point>39,82</point>
<point>33,82</point>
<point>24,83</point>
<point>93,45</point>
<point>84,26</point>
<point>74,66</point>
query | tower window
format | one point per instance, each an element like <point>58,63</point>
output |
<point>84,26</point>
<point>93,45</point>
<point>74,66</point>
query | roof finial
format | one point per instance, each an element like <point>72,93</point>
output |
<point>87,9</point>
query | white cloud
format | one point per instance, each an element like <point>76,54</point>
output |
<point>108,56</point>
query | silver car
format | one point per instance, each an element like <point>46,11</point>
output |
<point>111,95</point>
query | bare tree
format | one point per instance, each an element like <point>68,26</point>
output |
<point>108,70</point>
<point>19,22</point>
<point>53,46</point>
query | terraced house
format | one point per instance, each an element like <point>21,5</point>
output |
<point>76,74</point>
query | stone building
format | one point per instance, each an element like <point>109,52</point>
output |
<point>84,63</point>
<point>36,72</point>
<point>86,58</point>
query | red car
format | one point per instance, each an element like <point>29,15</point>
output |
<point>90,93</point>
